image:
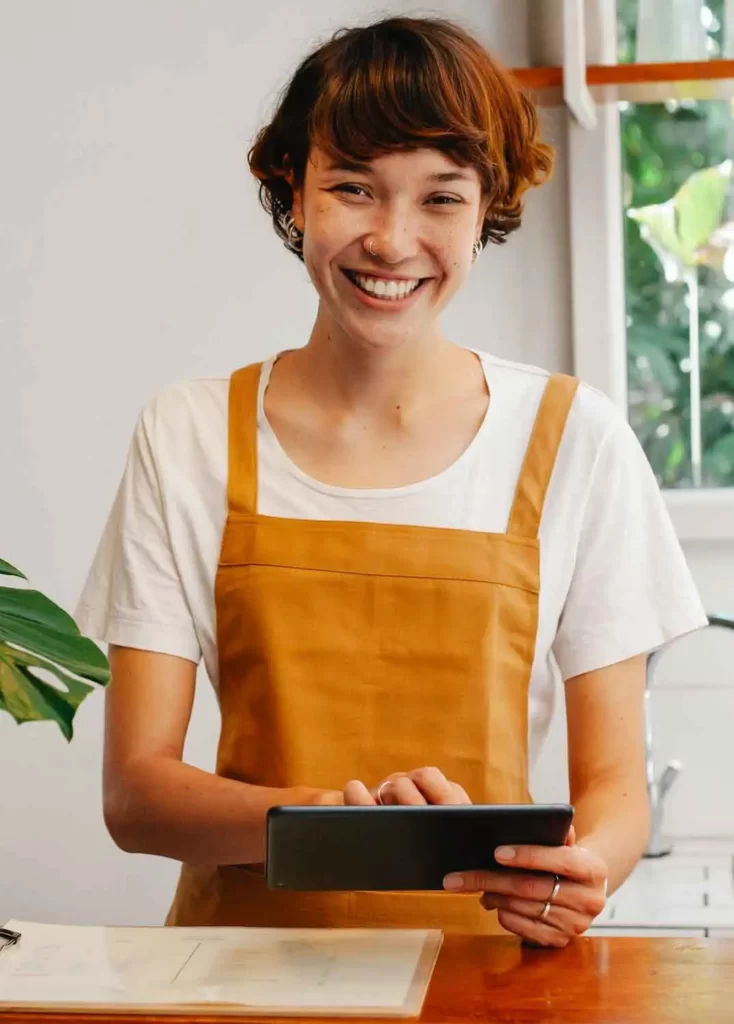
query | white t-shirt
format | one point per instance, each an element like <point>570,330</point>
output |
<point>614,581</point>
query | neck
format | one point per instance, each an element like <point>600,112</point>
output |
<point>386,384</point>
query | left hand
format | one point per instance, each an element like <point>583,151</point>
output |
<point>520,896</point>
<point>419,787</point>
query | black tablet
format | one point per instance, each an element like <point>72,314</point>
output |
<point>399,848</point>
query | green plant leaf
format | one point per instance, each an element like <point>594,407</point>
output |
<point>6,569</point>
<point>699,207</point>
<point>676,455</point>
<point>29,699</point>
<point>29,619</point>
<point>33,661</point>
<point>32,607</point>
<point>36,634</point>
<point>659,225</point>
<point>679,227</point>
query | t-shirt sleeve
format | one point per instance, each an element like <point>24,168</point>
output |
<point>631,590</point>
<point>133,595</point>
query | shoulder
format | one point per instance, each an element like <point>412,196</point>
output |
<point>185,417</point>
<point>190,399</point>
<point>594,419</point>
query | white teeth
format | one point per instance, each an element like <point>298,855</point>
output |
<point>383,289</point>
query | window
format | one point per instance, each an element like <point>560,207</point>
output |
<point>678,199</point>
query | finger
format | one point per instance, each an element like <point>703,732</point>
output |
<point>403,791</point>
<point>382,787</point>
<point>571,837</point>
<point>572,862</point>
<point>356,794</point>
<point>436,788</point>
<point>569,921</point>
<point>535,931</point>
<point>538,888</point>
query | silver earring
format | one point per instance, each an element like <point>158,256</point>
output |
<point>476,249</point>
<point>294,236</point>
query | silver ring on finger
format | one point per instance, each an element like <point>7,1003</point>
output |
<point>545,911</point>
<point>378,794</point>
<point>556,890</point>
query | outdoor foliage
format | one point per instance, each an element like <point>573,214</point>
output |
<point>663,145</point>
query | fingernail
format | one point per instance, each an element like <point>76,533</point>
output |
<point>453,882</point>
<point>505,852</point>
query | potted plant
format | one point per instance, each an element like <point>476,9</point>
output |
<point>35,634</point>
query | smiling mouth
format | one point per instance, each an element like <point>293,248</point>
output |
<point>382,288</point>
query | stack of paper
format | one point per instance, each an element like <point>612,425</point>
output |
<point>324,972</point>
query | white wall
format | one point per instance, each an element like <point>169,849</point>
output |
<point>133,253</point>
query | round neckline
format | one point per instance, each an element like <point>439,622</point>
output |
<point>369,493</point>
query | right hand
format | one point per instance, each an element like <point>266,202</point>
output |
<point>416,788</point>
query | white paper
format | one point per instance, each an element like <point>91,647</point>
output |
<point>271,969</point>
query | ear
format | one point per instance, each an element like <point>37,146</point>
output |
<point>297,209</point>
<point>483,208</point>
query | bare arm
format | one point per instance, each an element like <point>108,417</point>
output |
<point>156,804</point>
<point>604,713</point>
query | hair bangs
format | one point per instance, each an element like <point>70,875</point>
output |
<point>393,99</point>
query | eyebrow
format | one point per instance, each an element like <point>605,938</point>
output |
<point>355,167</point>
<point>450,176</point>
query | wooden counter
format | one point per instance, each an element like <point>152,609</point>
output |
<point>593,981</point>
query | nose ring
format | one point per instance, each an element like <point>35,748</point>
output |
<point>370,247</point>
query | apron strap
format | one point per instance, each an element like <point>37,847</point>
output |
<point>244,385</point>
<point>534,477</point>
<point>540,457</point>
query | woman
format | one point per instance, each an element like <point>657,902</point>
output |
<point>417,535</point>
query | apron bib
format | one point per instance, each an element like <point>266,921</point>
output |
<point>354,650</point>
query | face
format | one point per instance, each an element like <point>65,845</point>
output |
<point>418,212</point>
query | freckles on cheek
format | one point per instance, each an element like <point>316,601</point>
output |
<point>328,223</point>
<point>317,218</point>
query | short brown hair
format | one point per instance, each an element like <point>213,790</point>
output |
<point>405,83</point>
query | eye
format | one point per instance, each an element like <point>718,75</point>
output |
<point>445,200</point>
<point>351,189</point>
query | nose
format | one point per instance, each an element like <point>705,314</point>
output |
<point>393,237</point>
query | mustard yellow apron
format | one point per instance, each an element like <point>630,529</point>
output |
<point>354,650</point>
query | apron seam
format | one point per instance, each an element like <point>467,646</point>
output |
<point>376,575</point>
<point>315,525</point>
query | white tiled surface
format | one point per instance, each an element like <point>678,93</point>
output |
<point>690,892</point>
